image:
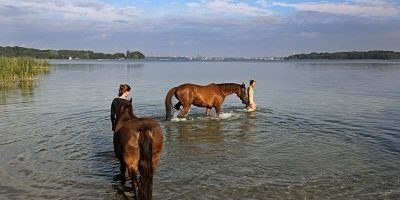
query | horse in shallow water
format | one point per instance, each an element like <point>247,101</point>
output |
<point>209,96</point>
<point>138,149</point>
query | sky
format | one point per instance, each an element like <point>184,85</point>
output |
<point>257,28</point>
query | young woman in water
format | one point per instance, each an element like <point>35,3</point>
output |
<point>116,106</point>
<point>250,95</point>
<point>118,102</point>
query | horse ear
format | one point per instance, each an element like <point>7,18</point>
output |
<point>130,101</point>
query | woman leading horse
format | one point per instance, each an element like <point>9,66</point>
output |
<point>209,96</point>
<point>138,149</point>
<point>137,145</point>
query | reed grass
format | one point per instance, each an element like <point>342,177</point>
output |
<point>17,69</point>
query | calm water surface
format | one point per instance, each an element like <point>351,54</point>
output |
<point>323,130</point>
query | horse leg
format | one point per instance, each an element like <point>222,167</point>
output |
<point>208,112</point>
<point>122,169</point>
<point>185,111</point>
<point>131,157</point>
<point>133,171</point>
<point>118,154</point>
<point>218,109</point>
<point>157,144</point>
<point>178,105</point>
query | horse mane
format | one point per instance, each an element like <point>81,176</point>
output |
<point>228,87</point>
<point>127,109</point>
<point>126,114</point>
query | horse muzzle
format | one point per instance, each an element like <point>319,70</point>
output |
<point>245,101</point>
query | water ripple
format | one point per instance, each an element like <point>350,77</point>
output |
<point>335,137</point>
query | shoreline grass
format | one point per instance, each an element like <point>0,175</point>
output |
<point>17,69</point>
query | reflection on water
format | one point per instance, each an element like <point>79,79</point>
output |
<point>197,131</point>
<point>134,65</point>
<point>354,64</point>
<point>249,125</point>
<point>322,130</point>
<point>24,89</point>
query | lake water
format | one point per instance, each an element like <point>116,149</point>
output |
<point>323,130</point>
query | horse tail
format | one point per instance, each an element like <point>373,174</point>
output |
<point>145,165</point>
<point>168,103</point>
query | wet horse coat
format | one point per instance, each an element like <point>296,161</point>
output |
<point>209,96</point>
<point>138,149</point>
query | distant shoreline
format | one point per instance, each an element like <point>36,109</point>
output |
<point>349,55</point>
<point>16,51</point>
<point>173,59</point>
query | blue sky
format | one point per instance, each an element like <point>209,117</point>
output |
<point>205,27</point>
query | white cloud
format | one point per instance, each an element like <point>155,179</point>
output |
<point>226,7</point>
<point>62,11</point>
<point>355,7</point>
<point>371,2</point>
<point>255,28</point>
<point>262,3</point>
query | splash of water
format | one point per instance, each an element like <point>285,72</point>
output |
<point>228,116</point>
<point>177,119</point>
<point>222,116</point>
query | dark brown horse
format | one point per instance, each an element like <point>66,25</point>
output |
<point>138,149</point>
<point>209,96</point>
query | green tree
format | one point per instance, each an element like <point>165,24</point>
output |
<point>348,55</point>
<point>64,54</point>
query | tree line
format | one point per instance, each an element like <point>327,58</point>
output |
<point>16,51</point>
<point>387,55</point>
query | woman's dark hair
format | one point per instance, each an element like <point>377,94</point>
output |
<point>252,81</point>
<point>123,88</point>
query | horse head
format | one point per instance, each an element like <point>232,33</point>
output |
<point>125,113</point>
<point>127,109</point>
<point>242,94</point>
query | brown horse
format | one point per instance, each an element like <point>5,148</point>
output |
<point>209,96</point>
<point>138,149</point>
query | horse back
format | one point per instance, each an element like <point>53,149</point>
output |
<point>195,87</point>
<point>138,125</point>
<point>199,95</point>
<point>131,131</point>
